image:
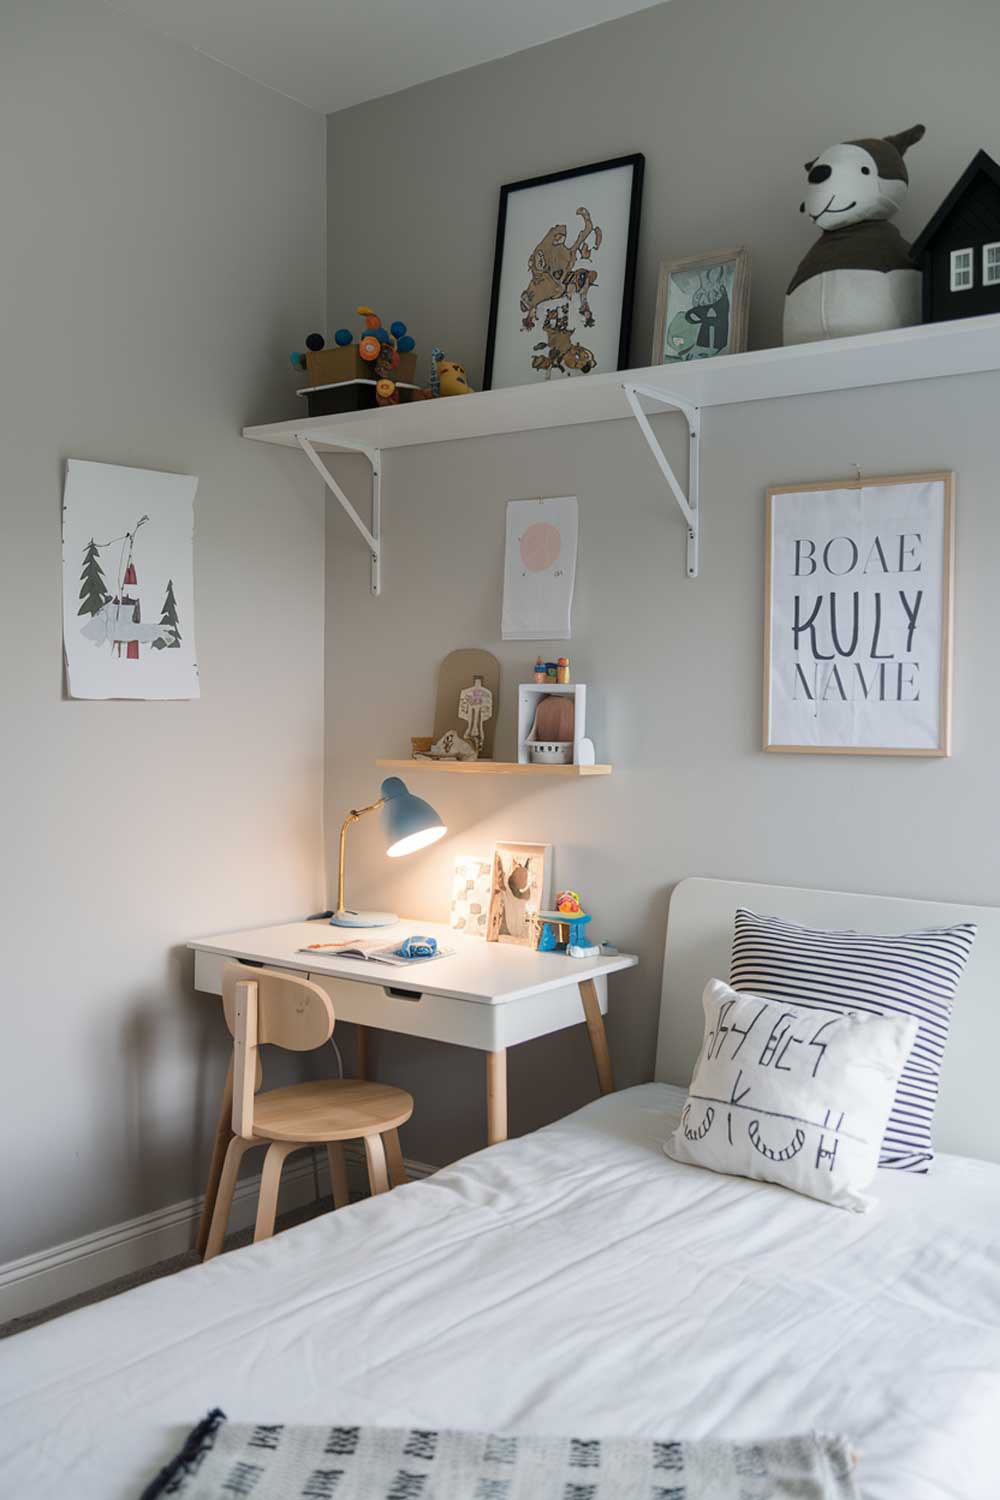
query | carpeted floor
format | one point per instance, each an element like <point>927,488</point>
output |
<point>153,1273</point>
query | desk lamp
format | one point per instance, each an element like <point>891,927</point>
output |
<point>408,824</point>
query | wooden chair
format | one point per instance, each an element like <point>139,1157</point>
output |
<point>267,1005</point>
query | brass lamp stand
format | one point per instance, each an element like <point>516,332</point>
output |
<point>342,917</point>
<point>408,824</point>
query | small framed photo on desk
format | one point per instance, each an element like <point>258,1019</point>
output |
<point>520,885</point>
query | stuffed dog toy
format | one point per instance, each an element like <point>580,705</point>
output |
<point>858,277</point>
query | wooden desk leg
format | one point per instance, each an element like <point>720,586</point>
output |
<point>598,1038</point>
<point>223,1135</point>
<point>362,1048</point>
<point>496,1096</point>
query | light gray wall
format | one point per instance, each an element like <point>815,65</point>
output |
<point>727,101</point>
<point>674,668</point>
<point>726,98</point>
<point>162,249</point>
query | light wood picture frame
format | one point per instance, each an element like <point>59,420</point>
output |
<point>858,616</point>
<point>520,885</point>
<point>702,307</point>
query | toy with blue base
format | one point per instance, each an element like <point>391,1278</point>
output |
<point>564,930</point>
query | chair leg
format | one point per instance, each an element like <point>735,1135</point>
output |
<point>378,1177</point>
<point>338,1174</point>
<point>394,1158</point>
<point>235,1152</point>
<point>270,1181</point>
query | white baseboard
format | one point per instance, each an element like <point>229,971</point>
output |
<point>48,1276</point>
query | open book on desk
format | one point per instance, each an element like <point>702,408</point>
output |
<point>378,953</point>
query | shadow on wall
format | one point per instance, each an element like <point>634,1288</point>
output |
<point>186,1048</point>
<point>154,1038</point>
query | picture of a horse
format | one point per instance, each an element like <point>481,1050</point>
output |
<point>519,887</point>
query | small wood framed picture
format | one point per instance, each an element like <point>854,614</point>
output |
<point>519,886</point>
<point>702,307</point>
<point>858,616</point>
<point>564,273</point>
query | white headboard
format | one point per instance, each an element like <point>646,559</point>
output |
<point>699,941</point>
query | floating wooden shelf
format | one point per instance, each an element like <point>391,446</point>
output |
<point>491,768</point>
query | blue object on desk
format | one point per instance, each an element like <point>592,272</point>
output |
<point>417,947</point>
<point>577,936</point>
<point>547,943</point>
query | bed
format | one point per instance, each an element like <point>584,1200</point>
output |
<point>574,1281</point>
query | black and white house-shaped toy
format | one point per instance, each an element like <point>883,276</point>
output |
<point>959,251</point>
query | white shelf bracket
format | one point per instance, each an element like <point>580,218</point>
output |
<point>373,537</point>
<point>688,503</point>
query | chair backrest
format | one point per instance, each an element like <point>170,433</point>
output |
<point>269,1005</point>
<point>292,1012</point>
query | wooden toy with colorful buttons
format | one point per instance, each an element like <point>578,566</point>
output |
<point>381,355</point>
<point>385,355</point>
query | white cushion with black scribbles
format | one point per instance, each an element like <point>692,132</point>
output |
<point>912,974</point>
<point>792,1096</point>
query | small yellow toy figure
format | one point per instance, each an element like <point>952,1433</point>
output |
<point>447,377</point>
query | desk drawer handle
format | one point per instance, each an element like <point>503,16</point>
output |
<point>395,994</point>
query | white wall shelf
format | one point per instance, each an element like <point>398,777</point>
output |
<point>491,768</point>
<point>965,347</point>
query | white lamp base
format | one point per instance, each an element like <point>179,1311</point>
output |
<point>363,919</point>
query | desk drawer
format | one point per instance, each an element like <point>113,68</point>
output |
<point>463,1022</point>
<point>467,1023</point>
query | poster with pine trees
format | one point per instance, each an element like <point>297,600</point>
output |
<point>170,631</point>
<point>128,582</point>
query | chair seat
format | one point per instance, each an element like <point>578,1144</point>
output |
<point>337,1109</point>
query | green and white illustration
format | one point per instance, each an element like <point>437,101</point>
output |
<point>698,313</point>
<point>128,582</point>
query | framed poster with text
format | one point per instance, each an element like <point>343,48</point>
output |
<point>858,615</point>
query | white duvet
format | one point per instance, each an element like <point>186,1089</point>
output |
<point>577,1282</point>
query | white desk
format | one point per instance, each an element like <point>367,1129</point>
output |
<point>488,996</point>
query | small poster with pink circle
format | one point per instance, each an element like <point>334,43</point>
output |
<point>540,569</point>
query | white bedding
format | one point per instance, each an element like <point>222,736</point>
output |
<point>577,1282</point>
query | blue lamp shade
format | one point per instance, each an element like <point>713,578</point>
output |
<point>408,822</point>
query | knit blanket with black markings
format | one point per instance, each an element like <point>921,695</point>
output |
<point>230,1461</point>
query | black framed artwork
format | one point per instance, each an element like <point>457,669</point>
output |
<point>564,274</point>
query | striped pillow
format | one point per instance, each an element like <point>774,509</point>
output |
<point>915,974</point>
